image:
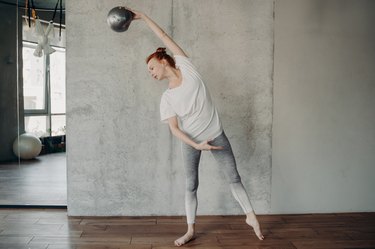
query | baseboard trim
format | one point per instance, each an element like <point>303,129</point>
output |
<point>35,206</point>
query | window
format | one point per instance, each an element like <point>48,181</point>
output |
<point>43,87</point>
<point>34,87</point>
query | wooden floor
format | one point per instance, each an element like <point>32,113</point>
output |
<point>40,181</point>
<point>52,229</point>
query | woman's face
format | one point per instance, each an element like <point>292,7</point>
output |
<point>156,68</point>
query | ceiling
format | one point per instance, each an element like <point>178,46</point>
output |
<point>44,8</point>
<point>39,4</point>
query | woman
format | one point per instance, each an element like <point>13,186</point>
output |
<point>187,100</point>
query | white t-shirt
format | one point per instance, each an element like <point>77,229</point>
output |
<point>192,104</point>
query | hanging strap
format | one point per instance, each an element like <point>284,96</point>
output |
<point>54,12</point>
<point>60,18</point>
<point>33,9</point>
<point>28,11</point>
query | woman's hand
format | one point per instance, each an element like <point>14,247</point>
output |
<point>206,146</point>
<point>137,14</point>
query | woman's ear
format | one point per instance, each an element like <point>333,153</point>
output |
<point>164,62</point>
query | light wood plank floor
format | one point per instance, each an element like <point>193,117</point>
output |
<point>52,229</point>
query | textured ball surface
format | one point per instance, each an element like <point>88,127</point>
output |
<point>27,146</point>
<point>119,19</point>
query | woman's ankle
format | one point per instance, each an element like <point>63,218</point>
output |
<point>191,228</point>
<point>251,215</point>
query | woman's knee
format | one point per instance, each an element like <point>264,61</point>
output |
<point>192,185</point>
<point>234,178</point>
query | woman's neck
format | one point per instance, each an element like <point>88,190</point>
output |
<point>174,78</point>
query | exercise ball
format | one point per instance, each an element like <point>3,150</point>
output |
<point>27,146</point>
<point>119,18</point>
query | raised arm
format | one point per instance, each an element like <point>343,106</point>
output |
<point>159,32</point>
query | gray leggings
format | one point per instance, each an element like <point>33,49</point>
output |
<point>226,161</point>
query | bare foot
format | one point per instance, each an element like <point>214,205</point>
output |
<point>252,221</point>
<point>185,239</point>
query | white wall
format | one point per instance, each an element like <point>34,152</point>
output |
<point>121,159</point>
<point>323,157</point>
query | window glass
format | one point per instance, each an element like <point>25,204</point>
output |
<point>57,76</point>
<point>33,79</point>
<point>36,125</point>
<point>58,125</point>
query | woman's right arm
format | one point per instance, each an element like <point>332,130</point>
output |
<point>159,32</point>
<point>176,131</point>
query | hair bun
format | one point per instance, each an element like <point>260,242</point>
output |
<point>161,50</point>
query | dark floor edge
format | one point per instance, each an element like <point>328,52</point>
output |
<point>35,206</point>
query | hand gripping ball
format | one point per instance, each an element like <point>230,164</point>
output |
<point>119,18</point>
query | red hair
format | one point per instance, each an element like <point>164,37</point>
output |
<point>161,54</point>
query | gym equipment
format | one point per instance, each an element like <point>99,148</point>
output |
<point>119,18</point>
<point>43,42</point>
<point>27,146</point>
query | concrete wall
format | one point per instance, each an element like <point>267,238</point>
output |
<point>121,159</point>
<point>9,64</point>
<point>324,119</point>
